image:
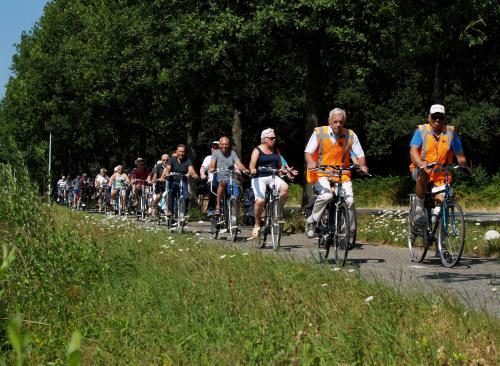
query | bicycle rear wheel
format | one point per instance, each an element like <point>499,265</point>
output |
<point>354,232</point>
<point>451,234</point>
<point>232,219</point>
<point>418,242</point>
<point>276,226</point>
<point>342,236</point>
<point>324,241</point>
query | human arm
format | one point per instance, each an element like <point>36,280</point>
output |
<point>192,172</point>
<point>253,161</point>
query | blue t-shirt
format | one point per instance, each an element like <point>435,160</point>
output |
<point>456,144</point>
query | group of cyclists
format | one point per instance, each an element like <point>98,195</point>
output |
<point>330,148</point>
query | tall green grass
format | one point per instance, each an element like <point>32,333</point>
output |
<point>144,296</point>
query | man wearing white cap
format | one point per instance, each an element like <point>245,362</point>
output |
<point>433,142</point>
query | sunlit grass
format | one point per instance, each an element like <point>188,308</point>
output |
<point>391,227</point>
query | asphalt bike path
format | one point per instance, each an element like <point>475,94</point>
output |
<point>474,280</point>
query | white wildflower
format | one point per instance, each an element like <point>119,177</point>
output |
<point>369,298</point>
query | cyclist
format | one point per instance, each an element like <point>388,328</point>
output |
<point>85,189</point>
<point>205,174</point>
<point>100,183</point>
<point>75,186</point>
<point>265,155</point>
<point>61,186</point>
<point>139,174</point>
<point>434,141</point>
<point>120,180</point>
<point>331,145</point>
<point>181,164</point>
<point>224,158</point>
<point>160,186</point>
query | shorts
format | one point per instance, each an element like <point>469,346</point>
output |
<point>236,190</point>
<point>160,187</point>
<point>260,184</point>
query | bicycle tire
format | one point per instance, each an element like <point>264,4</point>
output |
<point>451,234</point>
<point>354,232</point>
<point>263,235</point>
<point>180,214</point>
<point>323,240</point>
<point>232,219</point>
<point>341,239</point>
<point>418,242</point>
<point>275,225</point>
<point>214,227</point>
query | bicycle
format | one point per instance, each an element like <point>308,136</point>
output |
<point>142,198</point>
<point>273,223</point>
<point>334,225</point>
<point>117,203</point>
<point>103,198</point>
<point>228,218</point>
<point>447,220</point>
<point>178,219</point>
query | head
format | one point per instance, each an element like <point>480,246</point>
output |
<point>164,159</point>
<point>214,146</point>
<point>139,163</point>
<point>437,117</point>
<point>84,176</point>
<point>63,177</point>
<point>180,151</point>
<point>103,171</point>
<point>268,137</point>
<point>224,144</point>
<point>336,120</point>
<point>119,169</point>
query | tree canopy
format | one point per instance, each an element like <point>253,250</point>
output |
<point>119,79</point>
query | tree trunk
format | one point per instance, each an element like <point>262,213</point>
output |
<point>438,84</point>
<point>236,132</point>
<point>312,97</point>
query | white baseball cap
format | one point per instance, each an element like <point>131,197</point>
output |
<point>437,108</point>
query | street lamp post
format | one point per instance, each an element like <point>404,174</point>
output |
<point>50,128</point>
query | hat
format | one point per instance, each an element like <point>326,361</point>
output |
<point>268,132</point>
<point>84,174</point>
<point>437,108</point>
<point>215,142</point>
<point>138,160</point>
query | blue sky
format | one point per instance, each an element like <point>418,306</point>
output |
<point>16,16</point>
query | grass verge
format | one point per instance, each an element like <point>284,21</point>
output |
<point>391,228</point>
<point>145,296</point>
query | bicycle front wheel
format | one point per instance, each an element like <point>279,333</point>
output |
<point>451,234</point>
<point>181,205</point>
<point>324,240</point>
<point>276,225</point>
<point>232,219</point>
<point>342,236</point>
<point>417,236</point>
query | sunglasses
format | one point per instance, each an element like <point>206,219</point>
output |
<point>437,116</point>
<point>271,138</point>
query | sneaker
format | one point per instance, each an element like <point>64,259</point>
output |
<point>419,218</point>
<point>311,230</point>
<point>216,211</point>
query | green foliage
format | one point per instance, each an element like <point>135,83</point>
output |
<point>18,339</point>
<point>122,79</point>
<point>73,353</point>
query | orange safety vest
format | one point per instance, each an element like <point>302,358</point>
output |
<point>433,150</point>
<point>329,153</point>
